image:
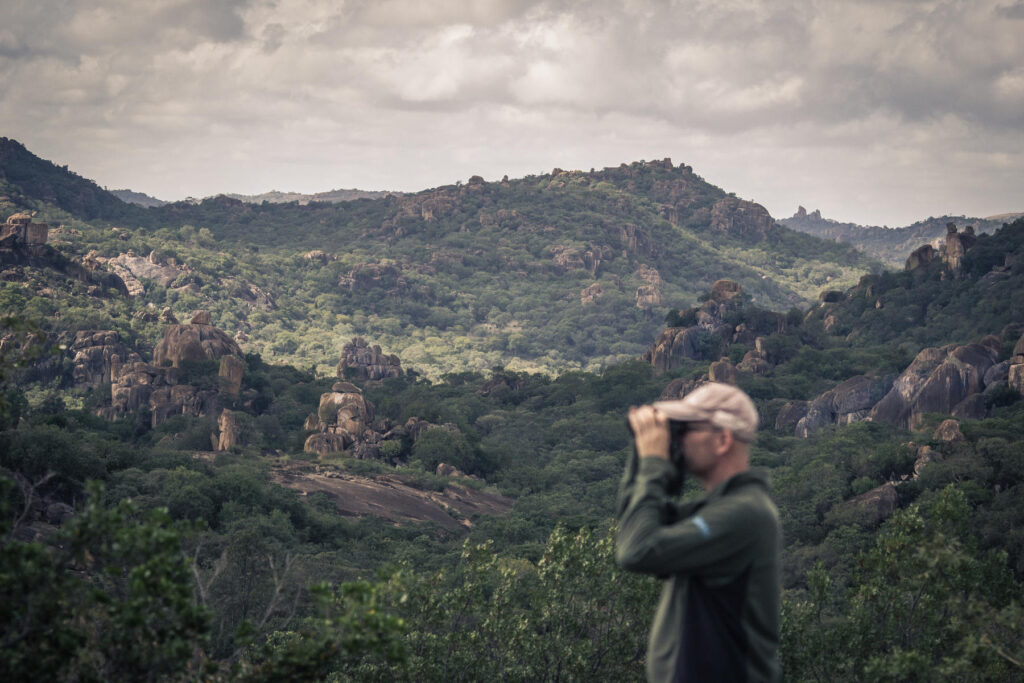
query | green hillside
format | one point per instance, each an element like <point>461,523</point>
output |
<point>568,270</point>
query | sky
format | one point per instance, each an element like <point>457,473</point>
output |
<point>879,112</point>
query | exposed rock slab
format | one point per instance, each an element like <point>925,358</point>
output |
<point>392,498</point>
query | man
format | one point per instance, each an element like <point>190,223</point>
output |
<point>718,616</point>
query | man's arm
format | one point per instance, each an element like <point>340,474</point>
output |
<point>703,541</point>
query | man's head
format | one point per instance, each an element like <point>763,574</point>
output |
<point>716,424</point>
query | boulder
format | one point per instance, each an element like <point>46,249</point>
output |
<point>755,362</point>
<point>920,257</point>
<point>649,295</point>
<point>680,387</point>
<point>201,318</point>
<point>325,443</point>
<point>949,431</point>
<point>848,402</point>
<point>723,371</point>
<point>229,431</point>
<point>935,382</point>
<point>868,509</point>
<point>725,290</point>
<point>193,342</point>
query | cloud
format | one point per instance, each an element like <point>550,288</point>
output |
<point>456,81</point>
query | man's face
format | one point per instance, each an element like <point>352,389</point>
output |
<point>700,447</point>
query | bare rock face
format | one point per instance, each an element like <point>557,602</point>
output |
<point>361,362</point>
<point>131,267</point>
<point>167,316</point>
<point>201,318</point>
<point>229,431</point>
<point>740,218</point>
<point>98,356</point>
<point>194,342</point>
<point>848,402</point>
<point>935,382</point>
<point>141,385</point>
<point>230,374</point>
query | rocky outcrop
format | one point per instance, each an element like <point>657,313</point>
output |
<point>361,362</point>
<point>740,218</point>
<point>636,240</point>
<point>229,431</point>
<point>649,295</point>
<point>709,336</point>
<point>197,341</point>
<point>568,258</point>
<point>937,381</point>
<point>920,257</point>
<point>723,371</point>
<point>868,509</point>
<point>1015,369</point>
<point>949,431</point>
<point>850,401</point>
<point>343,419</point>
<point>97,358</point>
<point>591,294</point>
<point>132,269</point>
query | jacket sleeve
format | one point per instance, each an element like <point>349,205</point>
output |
<point>701,541</point>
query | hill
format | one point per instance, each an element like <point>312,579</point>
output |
<point>890,245</point>
<point>559,271</point>
<point>331,196</point>
<point>138,198</point>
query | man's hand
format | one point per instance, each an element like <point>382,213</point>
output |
<point>650,429</point>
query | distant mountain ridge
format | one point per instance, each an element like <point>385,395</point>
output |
<point>277,197</point>
<point>890,245</point>
<point>137,198</point>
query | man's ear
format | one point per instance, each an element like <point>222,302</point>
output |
<point>723,442</point>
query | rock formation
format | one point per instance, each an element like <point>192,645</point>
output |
<point>229,432</point>
<point>361,362</point>
<point>708,337</point>
<point>739,218</point>
<point>1015,369</point>
<point>850,401</point>
<point>649,295</point>
<point>97,358</point>
<point>920,257</point>
<point>196,341</point>
<point>591,294</point>
<point>723,371</point>
<point>937,381</point>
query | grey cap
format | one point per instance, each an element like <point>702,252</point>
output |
<point>722,405</point>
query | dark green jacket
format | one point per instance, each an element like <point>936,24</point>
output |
<point>718,616</point>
